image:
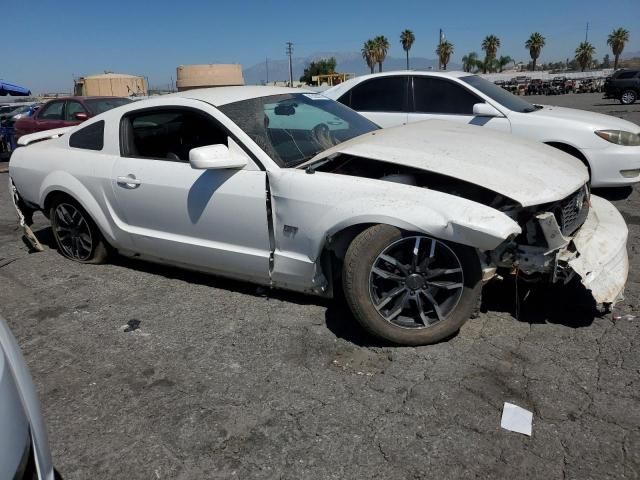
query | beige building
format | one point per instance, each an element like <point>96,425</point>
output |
<point>110,85</point>
<point>211,75</point>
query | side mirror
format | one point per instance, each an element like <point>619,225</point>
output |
<point>214,157</point>
<point>485,110</point>
<point>81,116</point>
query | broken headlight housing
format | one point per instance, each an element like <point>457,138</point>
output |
<point>620,137</point>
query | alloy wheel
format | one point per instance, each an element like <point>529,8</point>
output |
<point>416,282</point>
<point>72,232</point>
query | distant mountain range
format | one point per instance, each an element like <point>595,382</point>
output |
<point>347,62</point>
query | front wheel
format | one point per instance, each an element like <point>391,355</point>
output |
<point>628,97</point>
<point>410,289</point>
<point>75,233</point>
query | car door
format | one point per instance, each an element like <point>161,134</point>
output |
<point>72,108</point>
<point>49,116</point>
<point>214,220</point>
<point>383,100</point>
<point>443,99</point>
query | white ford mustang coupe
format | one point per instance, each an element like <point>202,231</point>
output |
<point>289,189</point>
<point>609,146</point>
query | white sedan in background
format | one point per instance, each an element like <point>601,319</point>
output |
<point>608,146</point>
<point>289,189</point>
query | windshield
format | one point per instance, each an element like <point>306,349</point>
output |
<point>499,94</point>
<point>100,105</point>
<point>294,128</point>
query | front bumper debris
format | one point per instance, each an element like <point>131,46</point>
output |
<point>600,258</point>
<point>24,224</point>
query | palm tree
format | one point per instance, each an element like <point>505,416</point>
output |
<point>616,41</point>
<point>444,51</point>
<point>469,61</point>
<point>369,54</point>
<point>406,39</point>
<point>534,44</point>
<point>584,54</point>
<point>382,47</point>
<point>490,45</point>
<point>503,61</point>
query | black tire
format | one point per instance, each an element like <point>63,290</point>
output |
<point>365,250</point>
<point>74,244</point>
<point>628,97</point>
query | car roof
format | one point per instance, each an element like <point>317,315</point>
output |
<point>223,95</point>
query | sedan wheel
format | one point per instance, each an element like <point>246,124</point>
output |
<point>75,233</point>
<point>410,289</point>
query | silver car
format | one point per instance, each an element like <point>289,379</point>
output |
<point>24,447</point>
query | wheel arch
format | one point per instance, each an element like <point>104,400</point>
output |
<point>62,184</point>
<point>573,151</point>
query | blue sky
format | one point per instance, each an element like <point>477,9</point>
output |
<point>51,40</point>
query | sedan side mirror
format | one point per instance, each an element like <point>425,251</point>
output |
<point>214,157</point>
<point>485,110</point>
<point>81,116</point>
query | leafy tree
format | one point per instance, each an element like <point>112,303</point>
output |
<point>606,61</point>
<point>584,54</point>
<point>323,66</point>
<point>469,61</point>
<point>444,51</point>
<point>503,61</point>
<point>616,41</point>
<point>381,48</point>
<point>369,54</point>
<point>534,44</point>
<point>490,45</point>
<point>406,39</point>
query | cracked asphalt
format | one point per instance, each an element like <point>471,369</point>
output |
<point>219,379</point>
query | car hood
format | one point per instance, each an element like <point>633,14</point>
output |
<point>589,119</point>
<point>528,172</point>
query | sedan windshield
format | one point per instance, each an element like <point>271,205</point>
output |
<point>500,95</point>
<point>294,128</point>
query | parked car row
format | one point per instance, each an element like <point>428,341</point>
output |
<point>408,221</point>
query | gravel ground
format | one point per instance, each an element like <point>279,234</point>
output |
<point>218,379</point>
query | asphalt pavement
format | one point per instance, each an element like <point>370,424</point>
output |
<point>149,372</point>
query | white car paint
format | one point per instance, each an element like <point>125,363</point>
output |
<point>271,225</point>
<point>569,127</point>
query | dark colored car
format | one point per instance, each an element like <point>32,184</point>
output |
<point>623,85</point>
<point>66,112</point>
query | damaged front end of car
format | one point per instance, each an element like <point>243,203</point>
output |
<point>581,235</point>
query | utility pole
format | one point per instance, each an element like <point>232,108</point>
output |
<point>289,53</point>
<point>586,33</point>
<point>439,43</point>
<point>266,63</point>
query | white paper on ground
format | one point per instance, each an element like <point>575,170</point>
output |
<point>516,419</point>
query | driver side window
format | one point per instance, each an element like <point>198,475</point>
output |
<point>168,133</point>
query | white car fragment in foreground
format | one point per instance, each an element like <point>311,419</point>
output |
<point>609,146</point>
<point>289,189</point>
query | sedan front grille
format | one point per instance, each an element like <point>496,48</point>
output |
<point>572,212</point>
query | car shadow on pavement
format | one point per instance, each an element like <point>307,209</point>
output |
<point>570,305</point>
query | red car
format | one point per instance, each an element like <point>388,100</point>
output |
<point>65,112</point>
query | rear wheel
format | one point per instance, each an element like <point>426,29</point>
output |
<point>628,97</point>
<point>410,289</point>
<point>76,234</point>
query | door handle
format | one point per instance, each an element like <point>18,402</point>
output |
<point>129,181</point>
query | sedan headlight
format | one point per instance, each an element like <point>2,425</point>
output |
<point>620,137</point>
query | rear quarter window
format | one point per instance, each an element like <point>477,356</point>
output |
<point>90,137</point>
